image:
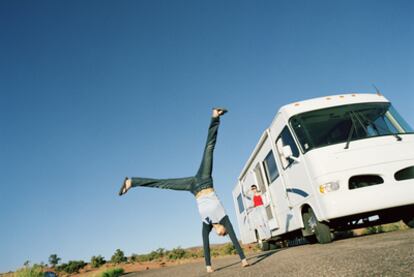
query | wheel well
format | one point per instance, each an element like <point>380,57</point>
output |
<point>304,209</point>
<point>306,232</point>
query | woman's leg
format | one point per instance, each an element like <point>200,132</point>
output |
<point>174,184</point>
<point>206,243</point>
<point>206,166</point>
<point>225,221</point>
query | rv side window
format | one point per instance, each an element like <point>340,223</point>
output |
<point>270,167</point>
<point>240,202</point>
<point>284,139</point>
<point>259,178</point>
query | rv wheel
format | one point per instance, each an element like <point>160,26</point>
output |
<point>274,245</point>
<point>409,222</point>
<point>311,239</point>
<point>264,245</point>
<point>308,233</point>
<point>320,230</point>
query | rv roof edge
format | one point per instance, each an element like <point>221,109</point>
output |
<point>254,153</point>
<point>298,107</point>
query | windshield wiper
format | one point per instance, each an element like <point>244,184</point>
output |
<point>351,132</point>
<point>378,127</point>
<point>397,137</point>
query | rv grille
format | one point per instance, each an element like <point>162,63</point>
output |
<point>361,181</point>
<point>405,174</point>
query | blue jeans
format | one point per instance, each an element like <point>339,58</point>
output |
<point>194,184</point>
<point>225,221</point>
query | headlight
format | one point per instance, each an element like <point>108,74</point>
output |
<point>328,187</point>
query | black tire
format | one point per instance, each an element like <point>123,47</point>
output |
<point>320,231</point>
<point>409,222</point>
<point>310,238</point>
<point>273,245</point>
<point>264,246</point>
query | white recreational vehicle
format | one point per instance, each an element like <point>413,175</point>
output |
<point>330,163</point>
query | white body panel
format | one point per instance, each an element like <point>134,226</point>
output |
<point>298,184</point>
<point>383,156</point>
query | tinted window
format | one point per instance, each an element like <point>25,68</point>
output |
<point>329,126</point>
<point>270,167</point>
<point>240,202</point>
<point>259,178</point>
<point>287,139</point>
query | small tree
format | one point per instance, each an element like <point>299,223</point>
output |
<point>54,260</point>
<point>113,272</point>
<point>29,271</point>
<point>160,252</point>
<point>118,257</point>
<point>72,267</point>
<point>97,261</point>
<point>134,258</point>
<point>176,253</point>
<point>229,249</point>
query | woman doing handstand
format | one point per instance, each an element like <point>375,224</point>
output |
<point>201,186</point>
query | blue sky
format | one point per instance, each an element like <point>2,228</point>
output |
<point>92,91</point>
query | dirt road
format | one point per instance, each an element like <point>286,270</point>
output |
<point>388,254</point>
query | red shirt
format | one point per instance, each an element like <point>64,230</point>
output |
<point>257,200</point>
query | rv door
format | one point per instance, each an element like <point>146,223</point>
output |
<point>294,171</point>
<point>258,172</point>
<point>242,213</point>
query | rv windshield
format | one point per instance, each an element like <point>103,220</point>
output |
<point>334,125</point>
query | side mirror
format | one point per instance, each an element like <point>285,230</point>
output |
<point>287,153</point>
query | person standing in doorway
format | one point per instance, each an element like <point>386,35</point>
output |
<point>259,214</point>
